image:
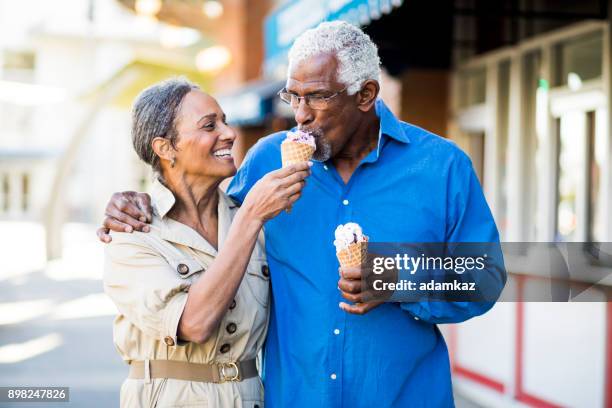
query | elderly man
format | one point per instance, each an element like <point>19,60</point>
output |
<point>326,348</point>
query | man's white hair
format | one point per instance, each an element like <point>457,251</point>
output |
<point>356,53</point>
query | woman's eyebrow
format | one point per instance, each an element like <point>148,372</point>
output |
<point>209,116</point>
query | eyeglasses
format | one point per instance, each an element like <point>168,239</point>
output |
<point>313,101</point>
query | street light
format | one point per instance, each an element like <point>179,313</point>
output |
<point>172,36</point>
<point>212,9</point>
<point>213,59</point>
<point>148,8</point>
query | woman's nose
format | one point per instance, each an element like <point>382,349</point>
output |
<point>228,133</point>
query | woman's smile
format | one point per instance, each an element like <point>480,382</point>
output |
<point>223,154</point>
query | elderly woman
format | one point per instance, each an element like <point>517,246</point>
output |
<point>192,293</point>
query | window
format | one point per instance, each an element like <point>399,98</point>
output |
<point>579,59</point>
<point>25,192</point>
<point>596,134</point>
<point>532,63</point>
<point>571,165</point>
<point>502,157</point>
<point>473,87</point>
<point>476,150</point>
<point>5,193</point>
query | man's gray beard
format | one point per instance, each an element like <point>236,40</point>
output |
<point>323,152</point>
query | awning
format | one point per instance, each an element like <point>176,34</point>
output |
<point>294,17</point>
<point>252,103</point>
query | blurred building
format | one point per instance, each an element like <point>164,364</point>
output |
<point>69,71</point>
<point>523,86</point>
<point>532,109</point>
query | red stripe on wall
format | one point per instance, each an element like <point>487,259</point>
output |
<point>518,337</point>
<point>479,378</point>
<point>534,401</point>
<point>520,394</point>
<point>452,345</point>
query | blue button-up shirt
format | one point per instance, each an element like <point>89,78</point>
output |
<point>415,187</point>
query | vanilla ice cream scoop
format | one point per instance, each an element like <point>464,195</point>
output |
<point>348,234</point>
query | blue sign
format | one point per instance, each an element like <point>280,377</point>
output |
<point>294,17</point>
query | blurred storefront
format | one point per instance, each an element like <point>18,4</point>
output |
<point>69,71</point>
<point>533,112</point>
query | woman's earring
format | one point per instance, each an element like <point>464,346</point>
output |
<point>173,162</point>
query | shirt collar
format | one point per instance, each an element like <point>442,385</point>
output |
<point>390,128</point>
<point>389,124</point>
<point>171,230</point>
<point>162,198</point>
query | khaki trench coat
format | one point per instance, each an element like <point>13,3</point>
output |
<point>148,275</point>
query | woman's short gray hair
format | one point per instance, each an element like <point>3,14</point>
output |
<point>154,114</point>
<point>357,54</point>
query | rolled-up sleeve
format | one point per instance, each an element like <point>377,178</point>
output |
<point>144,286</point>
<point>469,220</point>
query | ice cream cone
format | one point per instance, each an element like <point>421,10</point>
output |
<point>354,255</point>
<point>295,152</point>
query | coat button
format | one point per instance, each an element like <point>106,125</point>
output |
<point>225,348</point>
<point>265,270</point>
<point>169,341</point>
<point>231,328</point>
<point>182,269</point>
<point>233,305</point>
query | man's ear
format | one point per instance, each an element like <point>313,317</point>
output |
<point>367,95</point>
<point>163,148</point>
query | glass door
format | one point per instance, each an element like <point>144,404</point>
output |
<point>579,164</point>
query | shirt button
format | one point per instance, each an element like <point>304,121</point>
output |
<point>182,269</point>
<point>233,305</point>
<point>336,332</point>
<point>225,348</point>
<point>231,328</point>
<point>345,202</point>
<point>169,341</point>
<point>325,166</point>
<point>265,270</point>
<point>333,376</point>
<point>416,318</point>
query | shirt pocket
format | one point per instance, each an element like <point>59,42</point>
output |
<point>187,268</point>
<point>258,280</point>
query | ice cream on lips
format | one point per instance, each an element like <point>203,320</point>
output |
<point>300,136</point>
<point>297,147</point>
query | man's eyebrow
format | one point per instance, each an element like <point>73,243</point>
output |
<point>314,91</point>
<point>209,116</point>
<point>319,90</point>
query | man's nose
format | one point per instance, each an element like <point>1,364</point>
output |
<point>303,113</point>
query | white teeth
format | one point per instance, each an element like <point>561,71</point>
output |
<point>223,153</point>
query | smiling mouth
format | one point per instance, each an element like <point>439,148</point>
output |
<point>224,154</point>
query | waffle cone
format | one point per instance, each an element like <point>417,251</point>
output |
<point>295,152</point>
<point>354,255</point>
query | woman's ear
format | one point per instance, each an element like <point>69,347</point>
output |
<point>367,95</point>
<point>163,148</point>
